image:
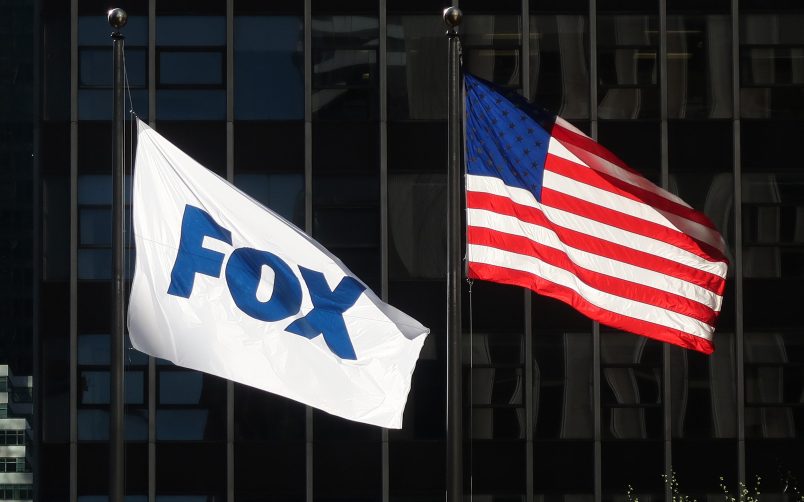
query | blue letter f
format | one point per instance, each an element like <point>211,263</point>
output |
<point>192,258</point>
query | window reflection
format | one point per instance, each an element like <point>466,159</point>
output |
<point>95,66</point>
<point>283,193</point>
<point>773,225</point>
<point>190,405</point>
<point>772,66</point>
<point>699,69</point>
<point>417,239</point>
<point>774,384</point>
<point>562,385</point>
<point>95,227</point>
<point>631,388</point>
<point>268,68</point>
<point>190,66</point>
<point>196,68</point>
<point>497,385</point>
<point>345,67</point>
<point>559,63</point>
<point>417,82</point>
<point>628,48</point>
<point>704,391</point>
<point>492,48</point>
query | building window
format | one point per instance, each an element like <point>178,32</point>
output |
<point>191,62</point>
<point>268,68</point>
<point>12,438</point>
<point>95,228</point>
<point>14,464</point>
<point>771,66</point>
<point>95,66</point>
<point>345,78</point>
<point>628,69</point>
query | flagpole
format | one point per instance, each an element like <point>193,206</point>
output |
<point>117,19</point>
<point>453,17</point>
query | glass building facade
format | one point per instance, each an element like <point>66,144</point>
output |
<point>333,113</point>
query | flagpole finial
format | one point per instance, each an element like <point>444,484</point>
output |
<point>453,17</point>
<point>117,18</point>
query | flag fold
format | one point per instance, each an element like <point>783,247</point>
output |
<point>550,209</point>
<point>225,286</point>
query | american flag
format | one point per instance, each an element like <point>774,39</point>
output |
<point>550,209</point>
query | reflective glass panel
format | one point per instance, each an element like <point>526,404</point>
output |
<point>268,68</point>
<point>283,193</point>
<point>417,82</point>
<point>492,48</point>
<point>628,70</point>
<point>699,72</point>
<point>344,69</point>
<point>772,66</point>
<point>191,68</point>
<point>559,64</point>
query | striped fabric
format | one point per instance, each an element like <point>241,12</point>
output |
<point>550,209</point>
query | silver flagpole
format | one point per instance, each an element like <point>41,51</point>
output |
<point>452,17</point>
<point>117,19</point>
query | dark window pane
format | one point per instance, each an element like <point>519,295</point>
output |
<point>191,104</point>
<point>94,264</point>
<point>182,424</point>
<point>196,68</point>
<point>492,48</point>
<point>416,235</point>
<point>262,416</point>
<point>416,467</point>
<point>55,228</point>
<point>498,466</point>
<point>261,147</point>
<point>268,68</point>
<point>644,474</point>
<point>182,31</point>
<point>562,385</point>
<point>772,66</point>
<point>95,67</point>
<point>95,227</point>
<point>773,384</point>
<point>704,391</point>
<point>631,386</point>
<point>95,30</point>
<point>553,459</point>
<point>628,48</point>
<point>93,349</point>
<point>283,193</point>
<point>699,69</point>
<point>180,387</point>
<point>270,471</point>
<point>700,464</point>
<point>206,479</point>
<point>417,82</point>
<point>96,104</point>
<point>351,471</point>
<point>773,225</point>
<point>559,64</point>
<point>345,67</point>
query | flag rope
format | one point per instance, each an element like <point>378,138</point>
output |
<point>470,282</point>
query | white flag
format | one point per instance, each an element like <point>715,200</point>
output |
<point>226,286</point>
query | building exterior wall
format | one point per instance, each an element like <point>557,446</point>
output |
<point>333,113</point>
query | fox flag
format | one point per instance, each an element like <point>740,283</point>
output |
<point>550,209</point>
<point>225,286</point>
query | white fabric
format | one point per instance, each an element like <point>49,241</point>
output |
<point>209,332</point>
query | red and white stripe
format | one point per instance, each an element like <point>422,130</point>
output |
<point>603,239</point>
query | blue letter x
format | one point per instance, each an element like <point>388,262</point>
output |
<point>326,318</point>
